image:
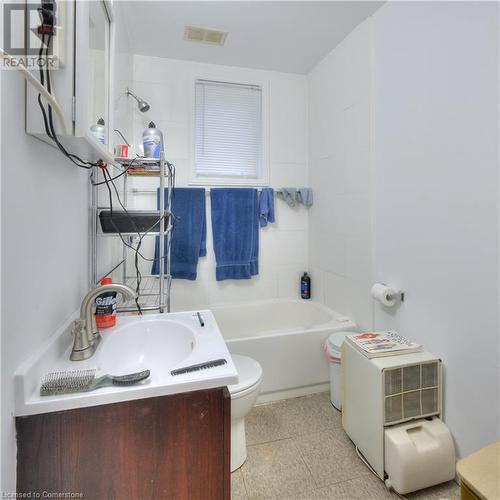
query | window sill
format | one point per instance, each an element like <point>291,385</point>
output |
<point>228,182</point>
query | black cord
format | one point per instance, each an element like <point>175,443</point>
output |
<point>136,249</point>
<point>49,127</point>
<point>109,181</point>
<point>120,174</point>
<point>51,133</point>
<point>138,274</point>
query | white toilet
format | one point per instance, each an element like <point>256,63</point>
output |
<point>243,397</point>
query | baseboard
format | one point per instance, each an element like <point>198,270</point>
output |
<point>296,392</point>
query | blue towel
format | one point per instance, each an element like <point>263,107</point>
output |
<point>189,235</point>
<point>266,206</point>
<point>235,230</point>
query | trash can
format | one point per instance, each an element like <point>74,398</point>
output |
<point>333,350</point>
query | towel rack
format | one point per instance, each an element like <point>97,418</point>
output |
<point>207,190</point>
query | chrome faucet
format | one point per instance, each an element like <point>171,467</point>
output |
<point>85,329</point>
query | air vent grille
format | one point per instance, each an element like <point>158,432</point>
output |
<point>411,392</point>
<point>204,35</point>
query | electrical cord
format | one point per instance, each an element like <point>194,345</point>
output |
<point>138,274</point>
<point>74,158</point>
<point>120,174</point>
<point>48,122</point>
<point>372,470</point>
<point>109,181</point>
<point>139,233</point>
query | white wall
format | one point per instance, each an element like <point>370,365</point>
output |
<point>44,249</point>
<point>340,240</point>
<point>436,153</point>
<point>430,181</point>
<point>44,231</point>
<point>168,86</point>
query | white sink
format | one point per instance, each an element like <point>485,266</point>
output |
<point>141,345</point>
<point>156,342</point>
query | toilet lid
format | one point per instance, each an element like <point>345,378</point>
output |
<point>249,372</point>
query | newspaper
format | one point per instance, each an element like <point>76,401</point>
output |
<point>376,344</point>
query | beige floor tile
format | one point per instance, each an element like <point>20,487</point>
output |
<point>331,457</point>
<point>265,423</point>
<point>448,491</point>
<point>366,488</point>
<point>301,452</point>
<point>310,414</point>
<point>275,470</point>
<point>291,417</point>
<point>238,491</point>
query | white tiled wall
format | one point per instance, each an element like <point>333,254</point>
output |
<point>168,86</point>
<point>340,229</point>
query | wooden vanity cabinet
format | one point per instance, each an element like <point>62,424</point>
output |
<point>168,447</point>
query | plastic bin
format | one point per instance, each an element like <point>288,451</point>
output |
<point>333,350</point>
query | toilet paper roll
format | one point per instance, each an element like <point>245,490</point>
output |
<point>384,294</point>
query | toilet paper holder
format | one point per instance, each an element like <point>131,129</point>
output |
<point>386,294</point>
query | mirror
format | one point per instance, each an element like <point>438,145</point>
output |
<point>98,70</point>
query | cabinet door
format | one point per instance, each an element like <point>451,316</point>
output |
<point>170,447</point>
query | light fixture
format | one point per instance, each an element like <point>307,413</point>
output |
<point>141,103</point>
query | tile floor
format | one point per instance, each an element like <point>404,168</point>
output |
<point>297,449</point>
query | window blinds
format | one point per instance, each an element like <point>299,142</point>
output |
<point>228,130</point>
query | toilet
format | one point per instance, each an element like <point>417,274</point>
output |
<point>243,397</point>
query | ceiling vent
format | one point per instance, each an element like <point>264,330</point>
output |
<point>204,35</point>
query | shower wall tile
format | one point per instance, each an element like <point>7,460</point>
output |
<point>168,85</point>
<point>340,222</point>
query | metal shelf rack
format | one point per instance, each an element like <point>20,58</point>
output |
<point>154,292</point>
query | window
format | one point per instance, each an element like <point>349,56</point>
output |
<point>228,132</point>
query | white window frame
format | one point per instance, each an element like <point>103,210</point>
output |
<point>203,180</point>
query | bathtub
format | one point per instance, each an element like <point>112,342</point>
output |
<point>285,337</point>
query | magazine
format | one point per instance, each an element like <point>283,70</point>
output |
<point>376,344</point>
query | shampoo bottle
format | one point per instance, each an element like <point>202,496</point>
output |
<point>305,286</point>
<point>152,139</point>
<point>99,131</point>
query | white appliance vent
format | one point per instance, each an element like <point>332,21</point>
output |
<point>411,391</point>
<point>204,35</point>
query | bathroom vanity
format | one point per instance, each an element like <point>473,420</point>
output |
<point>165,447</point>
<point>166,437</point>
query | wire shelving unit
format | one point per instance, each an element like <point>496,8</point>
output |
<point>154,290</point>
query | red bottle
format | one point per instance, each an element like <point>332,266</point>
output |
<point>105,312</point>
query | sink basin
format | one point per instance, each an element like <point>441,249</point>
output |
<point>143,345</point>
<point>156,342</point>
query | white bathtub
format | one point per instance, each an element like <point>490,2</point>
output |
<point>285,337</point>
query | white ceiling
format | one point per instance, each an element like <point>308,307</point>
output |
<point>290,36</point>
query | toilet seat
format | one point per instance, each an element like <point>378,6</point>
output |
<point>250,375</point>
